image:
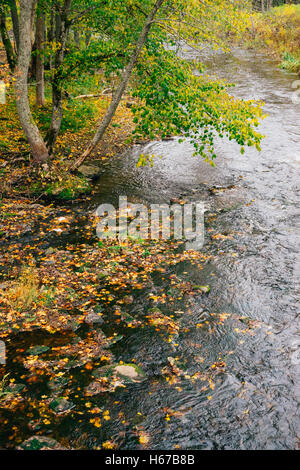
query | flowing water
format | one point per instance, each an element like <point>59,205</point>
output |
<point>254,273</point>
<point>248,324</point>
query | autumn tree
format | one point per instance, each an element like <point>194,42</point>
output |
<point>36,142</point>
<point>171,99</point>
<point>137,41</point>
<point>41,149</point>
<point>123,84</point>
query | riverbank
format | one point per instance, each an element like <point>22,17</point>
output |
<point>277,32</point>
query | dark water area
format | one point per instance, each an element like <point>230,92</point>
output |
<point>248,325</point>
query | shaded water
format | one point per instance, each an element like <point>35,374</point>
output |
<point>252,235</point>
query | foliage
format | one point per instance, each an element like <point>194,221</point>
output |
<point>278,30</point>
<point>52,297</point>
<point>114,27</point>
<point>17,176</point>
<point>77,114</point>
<point>191,105</point>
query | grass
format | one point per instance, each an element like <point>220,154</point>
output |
<point>3,385</point>
<point>290,63</point>
<point>25,291</point>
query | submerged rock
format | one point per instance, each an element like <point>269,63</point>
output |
<point>90,171</point>
<point>61,405</point>
<point>41,443</point>
<point>36,350</point>
<point>49,251</point>
<point>58,383</point>
<point>130,371</point>
<point>204,289</point>
<point>93,317</point>
<point>108,378</point>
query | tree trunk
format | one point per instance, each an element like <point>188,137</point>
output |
<point>77,38</point>
<point>121,88</point>
<point>62,26</point>
<point>15,21</point>
<point>11,58</point>
<point>37,145</point>
<point>57,27</point>
<point>87,39</point>
<point>51,35</point>
<point>40,79</point>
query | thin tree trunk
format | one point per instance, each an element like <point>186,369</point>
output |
<point>62,27</point>
<point>87,39</point>
<point>11,58</point>
<point>77,38</point>
<point>37,145</point>
<point>253,27</point>
<point>51,34</point>
<point>15,21</point>
<point>40,79</point>
<point>122,86</point>
<point>57,26</point>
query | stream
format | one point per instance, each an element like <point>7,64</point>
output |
<point>249,321</point>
